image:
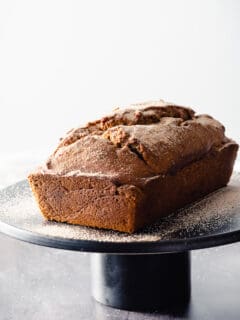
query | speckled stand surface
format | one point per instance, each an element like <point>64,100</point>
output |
<point>42,283</point>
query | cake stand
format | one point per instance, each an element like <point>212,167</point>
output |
<point>149,270</point>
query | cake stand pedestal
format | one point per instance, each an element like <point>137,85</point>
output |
<point>145,271</point>
<point>140,282</point>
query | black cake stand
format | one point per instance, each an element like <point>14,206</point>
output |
<point>149,270</point>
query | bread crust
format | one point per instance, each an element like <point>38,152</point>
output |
<point>125,171</point>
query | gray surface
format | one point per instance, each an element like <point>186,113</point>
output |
<point>41,283</point>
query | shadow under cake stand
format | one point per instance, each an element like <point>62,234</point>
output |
<point>149,270</point>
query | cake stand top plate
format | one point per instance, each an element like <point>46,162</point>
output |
<point>213,221</point>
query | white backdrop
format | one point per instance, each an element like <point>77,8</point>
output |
<point>65,62</point>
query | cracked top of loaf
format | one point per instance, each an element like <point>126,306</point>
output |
<point>138,142</point>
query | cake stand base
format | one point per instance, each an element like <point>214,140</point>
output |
<point>141,282</point>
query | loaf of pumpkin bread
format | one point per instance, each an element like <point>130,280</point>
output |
<point>129,169</point>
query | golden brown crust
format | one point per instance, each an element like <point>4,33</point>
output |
<point>138,142</point>
<point>173,191</point>
<point>90,201</point>
<point>130,168</point>
<point>99,202</point>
